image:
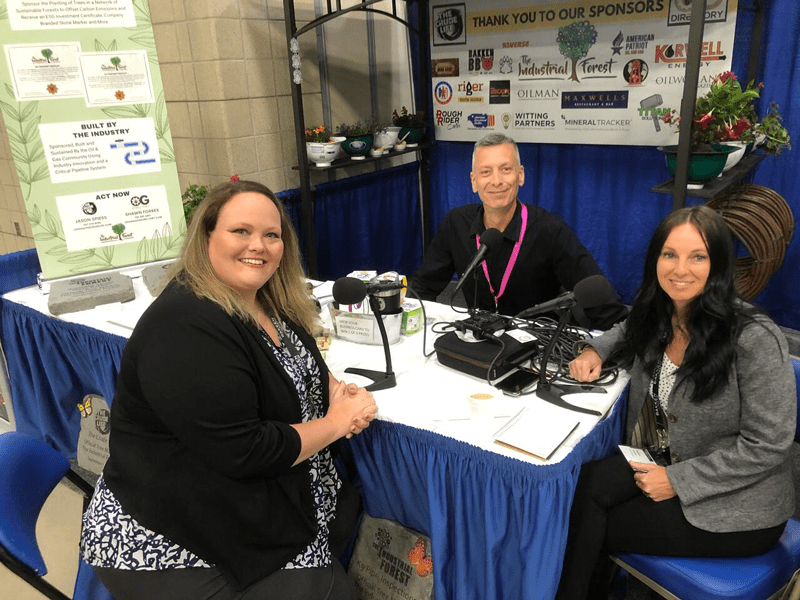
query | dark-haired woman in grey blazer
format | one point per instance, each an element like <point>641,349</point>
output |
<point>712,396</point>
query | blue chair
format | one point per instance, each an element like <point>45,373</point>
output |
<point>29,471</point>
<point>755,578</point>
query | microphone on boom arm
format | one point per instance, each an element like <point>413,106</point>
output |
<point>593,291</point>
<point>490,241</point>
<point>349,290</point>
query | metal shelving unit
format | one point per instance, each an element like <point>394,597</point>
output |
<point>331,10</point>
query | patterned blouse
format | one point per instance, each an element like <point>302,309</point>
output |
<point>113,538</point>
<point>644,432</point>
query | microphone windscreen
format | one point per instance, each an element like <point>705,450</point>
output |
<point>594,291</point>
<point>491,238</point>
<point>349,290</point>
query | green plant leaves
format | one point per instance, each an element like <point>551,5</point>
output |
<point>22,127</point>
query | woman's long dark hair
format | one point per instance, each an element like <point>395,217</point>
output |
<point>715,318</point>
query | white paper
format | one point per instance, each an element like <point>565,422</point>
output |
<point>538,429</point>
<point>116,78</point>
<point>25,15</point>
<point>636,455</point>
<point>45,71</point>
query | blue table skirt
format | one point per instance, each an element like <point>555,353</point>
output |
<point>497,525</point>
<point>52,365</point>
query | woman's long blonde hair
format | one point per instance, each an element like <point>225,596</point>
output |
<point>285,293</point>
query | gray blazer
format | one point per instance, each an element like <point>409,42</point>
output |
<point>731,467</point>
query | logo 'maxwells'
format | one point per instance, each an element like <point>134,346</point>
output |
<point>609,99</point>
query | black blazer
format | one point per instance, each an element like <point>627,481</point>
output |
<point>201,450</point>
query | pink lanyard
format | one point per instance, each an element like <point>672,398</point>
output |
<point>511,261</point>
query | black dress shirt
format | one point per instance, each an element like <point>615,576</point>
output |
<point>551,260</point>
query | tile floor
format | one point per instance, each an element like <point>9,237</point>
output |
<point>57,530</point>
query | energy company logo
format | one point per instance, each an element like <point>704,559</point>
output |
<point>481,121</point>
<point>481,61</point>
<point>680,12</point>
<point>450,119</point>
<point>443,92</point>
<point>637,44</point>
<point>470,91</point>
<point>500,92</point>
<point>537,94</point>
<point>448,22</point>
<point>616,44</point>
<point>675,54</point>
<point>592,100</point>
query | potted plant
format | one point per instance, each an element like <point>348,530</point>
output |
<point>358,138</point>
<point>775,135</point>
<point>724,127</point>
<point>726,113</point>
<point>321,147</point>
<point>194,195</point>
<point>412,126</point>
<point>386,135</point>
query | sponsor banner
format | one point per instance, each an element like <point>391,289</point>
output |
<point>573,71</point>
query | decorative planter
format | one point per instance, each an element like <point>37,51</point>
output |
<point>386,138</point>
<point>735,156</point>
<point>322,154</point>
<point>357,147</point>
<point>412,135</point>
<point>703,166</point>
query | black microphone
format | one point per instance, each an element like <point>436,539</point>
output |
<point>593,291</point>
<point>349,290</point>
<point>490,241</point>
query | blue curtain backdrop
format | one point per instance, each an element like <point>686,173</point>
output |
<point>604,191</point>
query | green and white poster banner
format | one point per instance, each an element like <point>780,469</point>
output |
<point>569,71</point>
<point>83,106</point>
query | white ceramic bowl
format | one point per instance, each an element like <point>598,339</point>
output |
<point>386,138</point>
<point>322,154</point>
<point>735,156</point>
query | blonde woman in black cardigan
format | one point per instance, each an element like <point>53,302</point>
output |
<point>712,395</point>
<point>220,482</point>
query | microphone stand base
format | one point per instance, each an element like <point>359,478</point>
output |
<point>553,394</point>
<point>381,380</point>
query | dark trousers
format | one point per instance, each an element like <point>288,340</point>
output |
<point>611,514</point>
<point>329,583</point>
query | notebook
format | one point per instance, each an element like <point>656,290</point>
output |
<point>538,429</point>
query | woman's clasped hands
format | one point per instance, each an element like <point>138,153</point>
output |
<point>351,408</point>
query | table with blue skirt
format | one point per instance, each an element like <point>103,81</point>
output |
<point>497,524</point>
